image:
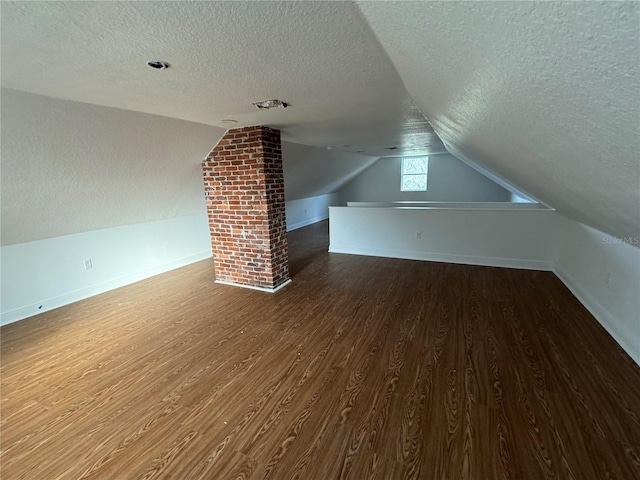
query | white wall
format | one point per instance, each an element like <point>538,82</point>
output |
<point>79,182</point>
<point>604,274</point>
<point>123,189</point>
<point>311,171</point>
<point>520,239</point>
<point>312,177</point>
<point>306,211</point>
<point>70,167</point>
<point>45,274</point>
<point>449,180</point>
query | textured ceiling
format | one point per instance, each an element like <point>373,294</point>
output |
<point>320,57</point>
<point>545,95</point>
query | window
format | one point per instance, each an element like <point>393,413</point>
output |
<point>414,174</point>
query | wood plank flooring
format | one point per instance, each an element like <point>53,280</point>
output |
<point>362,368</point>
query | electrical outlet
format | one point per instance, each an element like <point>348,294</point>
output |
<point>88,264</point>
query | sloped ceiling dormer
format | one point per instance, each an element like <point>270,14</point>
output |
<point>545,95</point>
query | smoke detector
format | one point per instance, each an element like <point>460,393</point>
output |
<point>267,104</point>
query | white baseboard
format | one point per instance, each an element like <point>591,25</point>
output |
<point>305,223</point>
<point>75,296</point>
<point>251,287</point>
<point>445,257</point>
<point>608,321</point>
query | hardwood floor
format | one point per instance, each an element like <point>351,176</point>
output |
<point>362,368</point>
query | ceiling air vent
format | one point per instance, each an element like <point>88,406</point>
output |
<point>158,64</point>
<point>267,104</point>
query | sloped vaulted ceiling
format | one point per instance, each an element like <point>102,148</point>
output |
<point>320,57</point>
<point>544,94</point>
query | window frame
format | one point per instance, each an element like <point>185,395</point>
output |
<point>425,174</point>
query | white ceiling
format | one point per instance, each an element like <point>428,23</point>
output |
<point>544,94</point>
<point>320,57</point>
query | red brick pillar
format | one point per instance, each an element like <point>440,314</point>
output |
<point>244,187</point>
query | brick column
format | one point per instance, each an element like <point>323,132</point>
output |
<point>244,187</point>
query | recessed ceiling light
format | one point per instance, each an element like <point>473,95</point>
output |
<point>158,64</point>
<point>267,104</point>
<point>228,120</point>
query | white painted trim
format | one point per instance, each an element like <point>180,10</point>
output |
<point>608,321</point>
<point>432,154</point>
<point>71,297</point>
<point>444,257</point>
<point>307,222</point>
<point>486,206</point>
<point>250,287</point>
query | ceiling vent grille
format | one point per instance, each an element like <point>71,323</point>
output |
<point>267,104</point>
<point>158,64</point>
